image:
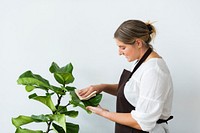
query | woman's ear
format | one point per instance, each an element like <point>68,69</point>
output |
<point>139,43</point>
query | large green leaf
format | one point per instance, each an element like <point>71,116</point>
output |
<point>62,75</point>
<point>58,128</point>
<point>62,109</point>
<point>59,78</point>
<point>64,78</point>
<point>71,113</point>
<point>54,68</point>
<point>21,120</point>
<point>60,119</point>
<point>68,77</point>
<point>75,101</point>
<point>69,88</point>
<point>40,118</point>
<point>45,100</point>
<point>33,81</point>
<point>58,90</point>
<point>94,101</point>
<point>70,128</point>
<point>20,130</point>
<point>74,98</point>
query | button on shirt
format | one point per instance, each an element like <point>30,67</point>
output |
<point>150,90</point>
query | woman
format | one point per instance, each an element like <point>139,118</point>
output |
<point>144,96</point>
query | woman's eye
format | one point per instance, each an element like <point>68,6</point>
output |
<point>123,48</point>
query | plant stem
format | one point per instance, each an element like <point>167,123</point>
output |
<point>58,103</point>
<point>59,99</point>
<point>48,126</point>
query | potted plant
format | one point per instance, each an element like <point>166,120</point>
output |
<point>56,120</point>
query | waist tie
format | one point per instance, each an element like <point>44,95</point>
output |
<point>164,121</point>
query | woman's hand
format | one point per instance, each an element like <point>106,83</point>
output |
<point>88,90</point>
<point>97,110</point>
<point>121,118</point>
<point>108,88</point>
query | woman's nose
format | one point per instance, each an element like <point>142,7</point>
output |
<point>120,52</point>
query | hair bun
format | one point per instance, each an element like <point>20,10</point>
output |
<point>149,28</point>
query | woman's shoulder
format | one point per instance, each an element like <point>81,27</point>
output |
<point>156,64</point>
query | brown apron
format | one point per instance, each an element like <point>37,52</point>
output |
<point>123,106</point>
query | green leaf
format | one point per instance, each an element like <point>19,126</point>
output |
<point>68,77</point>
<point>40,118</point>
<point>29,88</point>
<point>72,113</point>
<point>62,75</point>
<point>58,129</point>
<point>20,130</point>
<point>75,101</point>
<point>94,101</point>
<point>45,100</point>
<point>62,109</point>
<point>68,68</point>
<point>69,88</point>
<point>72,128</point>
<point>74,98</point>
<point>64,78</point>
<point>54,68</point>
<point>49,94</point>
<point>32,96</point>
<point>60,119</point>
<point>80,105</point>
<point>21,120</point>
<point>58,90</point>
<point>59,78</point>
<point>30,79</point>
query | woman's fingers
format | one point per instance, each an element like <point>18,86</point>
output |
<point>82,92</point>
<point>86,92</point>
<point>97,110</point>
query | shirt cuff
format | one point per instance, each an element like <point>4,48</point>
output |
<point>146,123</point>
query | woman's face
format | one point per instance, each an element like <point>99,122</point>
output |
<point>129,51</point>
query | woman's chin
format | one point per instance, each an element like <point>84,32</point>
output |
<point>129,60</point>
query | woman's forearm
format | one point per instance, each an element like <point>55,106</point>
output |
<point>121,118</point>
<point>110,88</point>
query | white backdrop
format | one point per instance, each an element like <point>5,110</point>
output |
<point>34,33</point>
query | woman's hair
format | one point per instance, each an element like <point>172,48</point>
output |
<point>130,30</point>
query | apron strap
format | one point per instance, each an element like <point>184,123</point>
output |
<point>164,121</point>
<point>144,57</point>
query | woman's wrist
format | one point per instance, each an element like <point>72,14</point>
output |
<point>103,87</point>
<point>109,88</point>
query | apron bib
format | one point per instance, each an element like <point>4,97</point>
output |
<point>123,106</point>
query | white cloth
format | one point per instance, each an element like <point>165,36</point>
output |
<point>150,90</point>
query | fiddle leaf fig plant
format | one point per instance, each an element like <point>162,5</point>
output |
<point>56,120</point>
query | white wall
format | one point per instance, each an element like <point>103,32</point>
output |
<point>34,33</point>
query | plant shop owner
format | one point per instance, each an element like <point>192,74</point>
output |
<point>144,94</point>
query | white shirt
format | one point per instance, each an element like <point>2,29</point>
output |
<point>150,90</point>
